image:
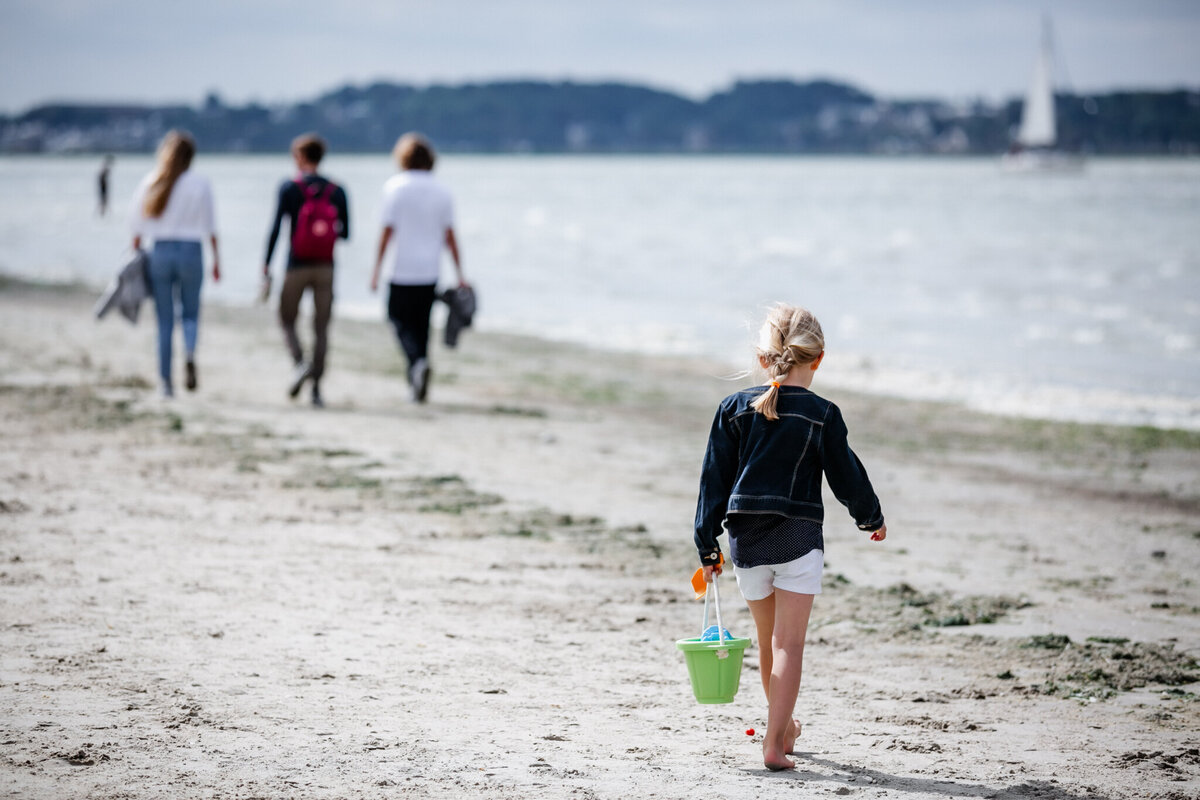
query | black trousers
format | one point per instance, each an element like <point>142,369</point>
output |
<point>408,311</point>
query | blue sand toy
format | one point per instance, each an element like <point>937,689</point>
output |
<point>713,634</point>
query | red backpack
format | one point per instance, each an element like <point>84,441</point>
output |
<point>317,224</point>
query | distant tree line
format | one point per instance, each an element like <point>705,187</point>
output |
<point>762,116</point>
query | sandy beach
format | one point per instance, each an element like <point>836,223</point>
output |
<point>233,595</point>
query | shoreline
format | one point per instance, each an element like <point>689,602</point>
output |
<point>229,594</point>
<point>513,375</point>
<point>963,395</point>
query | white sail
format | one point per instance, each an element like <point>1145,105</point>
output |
<point>1037,117</point>
<point>1034,150</point>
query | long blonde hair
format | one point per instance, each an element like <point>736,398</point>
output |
<point>174,157</point>
<point>790,337</point>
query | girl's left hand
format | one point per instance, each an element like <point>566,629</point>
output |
<point>879,535</point>
<point>711,570</point>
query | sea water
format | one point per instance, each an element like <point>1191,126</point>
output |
<point>1064,296</point>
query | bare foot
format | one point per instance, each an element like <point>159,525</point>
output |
<point>776,761</point>
<point>789,739</point>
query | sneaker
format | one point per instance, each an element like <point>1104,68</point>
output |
<point>302,372</point>
<point>190,382</point>
<point>418,376</point>
<point>317,402</point>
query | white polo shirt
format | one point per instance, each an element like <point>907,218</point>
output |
<point>189,215</point>
<point>419,210</point>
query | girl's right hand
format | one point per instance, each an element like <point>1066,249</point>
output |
<point>879,535</point>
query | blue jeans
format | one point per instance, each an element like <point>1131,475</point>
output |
<point>176,271</point>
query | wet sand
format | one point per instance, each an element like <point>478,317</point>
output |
<point>234,595</point>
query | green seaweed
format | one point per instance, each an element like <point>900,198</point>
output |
<point>1048,641</point>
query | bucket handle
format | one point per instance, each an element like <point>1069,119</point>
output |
<point>716,593</point>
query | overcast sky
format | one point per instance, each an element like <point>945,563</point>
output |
<point>285,50</point>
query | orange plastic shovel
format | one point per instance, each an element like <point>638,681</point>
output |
<point>698,584</point>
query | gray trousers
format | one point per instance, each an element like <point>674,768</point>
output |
<point>319,280</point>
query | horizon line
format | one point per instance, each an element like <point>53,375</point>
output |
<point>425,85</point>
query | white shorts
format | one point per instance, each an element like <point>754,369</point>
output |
<point>802,576</point>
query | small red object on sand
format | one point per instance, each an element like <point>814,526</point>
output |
<point>749,731</point>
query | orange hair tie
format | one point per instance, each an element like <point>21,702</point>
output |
<point>775,384</point>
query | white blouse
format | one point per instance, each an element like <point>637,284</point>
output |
<point>189,215</point>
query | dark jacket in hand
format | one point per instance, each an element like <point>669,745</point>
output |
<point>128,289</point>
<point>461,302</point>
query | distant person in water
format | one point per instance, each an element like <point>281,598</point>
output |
<point>418,221</point>
<point>102,185</point>
<point>173,206</point>
<point>319,215</point>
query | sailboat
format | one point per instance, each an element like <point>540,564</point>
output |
<point>1035,149</point>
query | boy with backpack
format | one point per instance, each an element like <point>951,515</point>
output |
<point>319,216</point>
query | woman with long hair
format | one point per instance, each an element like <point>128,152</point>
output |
<point>173,206</point>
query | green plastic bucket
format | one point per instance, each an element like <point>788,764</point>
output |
<point>715,678</point>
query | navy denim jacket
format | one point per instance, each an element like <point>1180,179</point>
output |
<point>759,466</point>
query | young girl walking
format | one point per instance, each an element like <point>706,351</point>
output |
<point>761,481</point>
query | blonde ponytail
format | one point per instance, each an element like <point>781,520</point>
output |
<point>790,337</point>
<point>174,157</point>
